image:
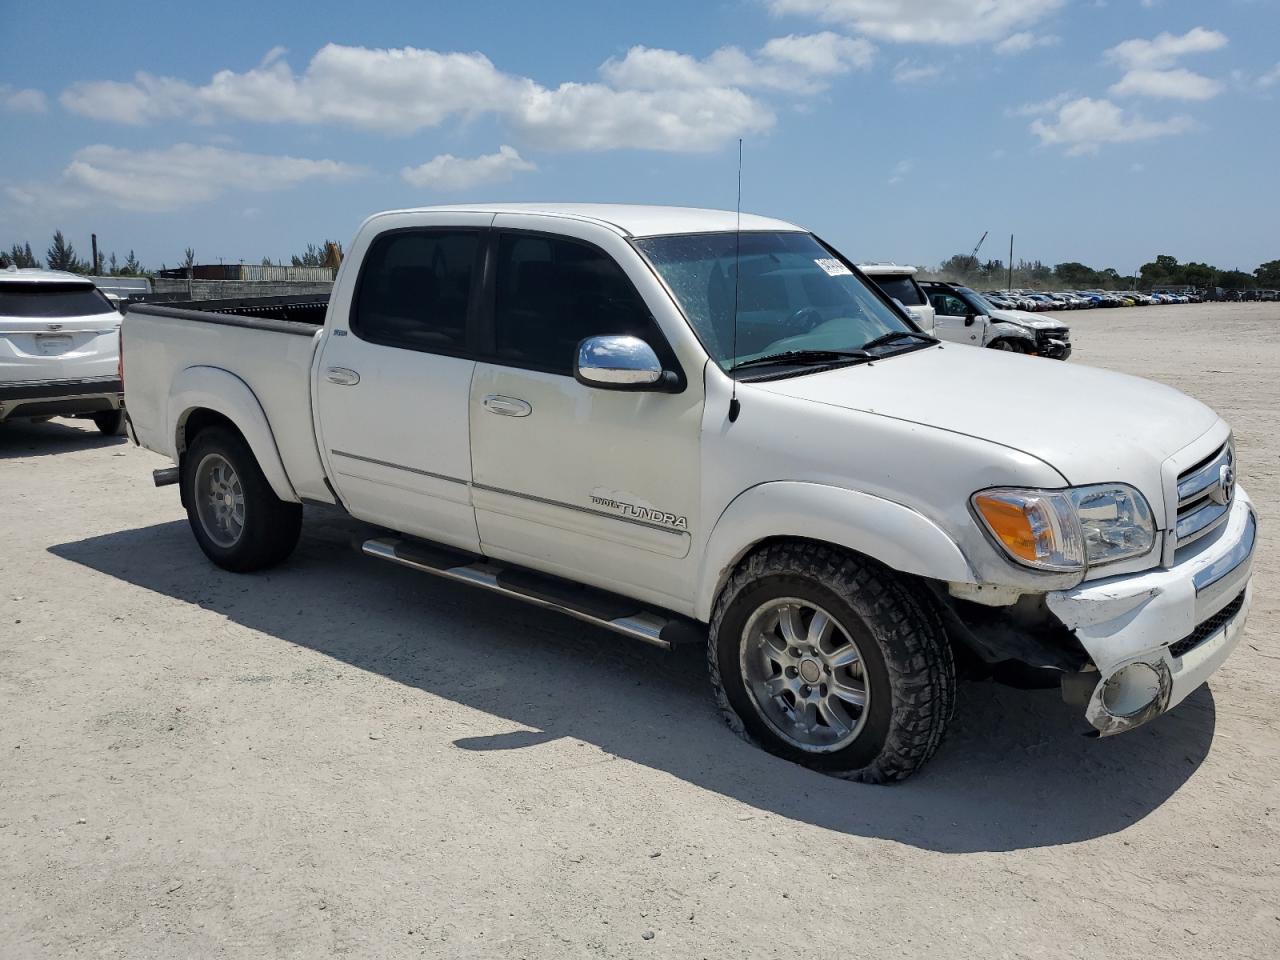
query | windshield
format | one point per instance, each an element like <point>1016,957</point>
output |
<point>795,294</point>
<point>977,300</point>
<point>52,300</point>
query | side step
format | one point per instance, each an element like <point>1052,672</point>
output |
<point>604,609</point>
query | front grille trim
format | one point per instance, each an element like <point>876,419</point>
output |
<point>1199,512</point>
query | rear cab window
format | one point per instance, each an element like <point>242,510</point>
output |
<point>52,300</point>
<point>416,288</point>
<point>903,289</point>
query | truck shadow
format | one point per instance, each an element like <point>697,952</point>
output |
<point>20,439</point>
<point>1014,773</point>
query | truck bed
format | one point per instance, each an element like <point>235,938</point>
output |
<point>268,347</point>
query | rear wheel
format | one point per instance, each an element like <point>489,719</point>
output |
<point>236,517</point>
<point>109,422</point>
<point>831,661</point>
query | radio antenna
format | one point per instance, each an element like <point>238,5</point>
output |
<point>734,406</point>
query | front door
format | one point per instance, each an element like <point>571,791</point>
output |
<point>596,485</point>
<point>393,386</point>
<point>953,320</point>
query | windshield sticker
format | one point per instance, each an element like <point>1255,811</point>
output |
<point>834,267</point>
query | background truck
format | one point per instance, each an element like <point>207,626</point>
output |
<point>681,431</point>
<point>963,315</point>
<point>59,339</point>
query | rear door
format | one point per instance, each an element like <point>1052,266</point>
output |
<point>393,381</point>
<point>596,485</point>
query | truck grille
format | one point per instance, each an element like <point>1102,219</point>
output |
<point>1205,493</point>
<point>1207,629</point>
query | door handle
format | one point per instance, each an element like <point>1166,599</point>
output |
<point>342,376</point>
<point>507,406</point>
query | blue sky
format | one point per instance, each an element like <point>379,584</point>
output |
<point>1105,132</point>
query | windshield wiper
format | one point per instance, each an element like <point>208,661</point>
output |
<point>898,335</point>
<point>800,357</point>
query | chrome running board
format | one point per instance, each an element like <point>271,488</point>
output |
<point>608,610</point>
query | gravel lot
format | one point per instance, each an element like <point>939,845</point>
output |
<point>345,758</point>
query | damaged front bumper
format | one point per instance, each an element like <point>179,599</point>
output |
<point>1154,637</point>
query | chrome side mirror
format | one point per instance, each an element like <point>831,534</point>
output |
<point>620,363</point>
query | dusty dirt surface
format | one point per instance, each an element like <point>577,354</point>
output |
<point>340,758</point>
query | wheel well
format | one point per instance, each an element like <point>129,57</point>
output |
<point>929,592</point>
<point>201,418</point>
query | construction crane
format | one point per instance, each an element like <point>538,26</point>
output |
<point>978,246</point>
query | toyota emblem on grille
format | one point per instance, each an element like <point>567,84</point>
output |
<point>1226,485</point>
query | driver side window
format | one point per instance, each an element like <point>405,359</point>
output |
<point>552,292</point>
<point>948,305</point>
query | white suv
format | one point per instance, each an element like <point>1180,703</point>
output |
<point>59,349</point>
<point>899,282</point>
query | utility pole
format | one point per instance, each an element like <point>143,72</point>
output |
<point>1009,284</point>
<point>93,242</point>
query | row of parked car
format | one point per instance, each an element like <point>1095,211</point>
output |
<point>1039,300</point>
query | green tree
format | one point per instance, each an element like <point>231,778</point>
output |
<point>1076,275</point>
<point>1268,274</point>
<point>132,267</point>
<point>189,258</point>
<point>62,256</point>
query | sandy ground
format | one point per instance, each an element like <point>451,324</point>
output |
<point>344,758</point>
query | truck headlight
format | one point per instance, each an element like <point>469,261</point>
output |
<point>1067,530</point>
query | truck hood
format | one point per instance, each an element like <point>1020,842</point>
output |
<point>1090,425</point>
<point>1025,319</point>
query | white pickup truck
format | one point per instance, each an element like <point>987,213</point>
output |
<point>655,422</point>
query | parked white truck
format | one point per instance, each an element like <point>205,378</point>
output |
<point>562,404</point>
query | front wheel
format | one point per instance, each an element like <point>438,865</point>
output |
<point>236,517</point>
<point>832,662</point>
<point>1009,346</point>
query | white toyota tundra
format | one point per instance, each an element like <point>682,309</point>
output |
<point>681,427</point>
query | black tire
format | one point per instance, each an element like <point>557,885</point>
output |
<point>1009,346</point>
<point>271,526</point>
<point>110,423</point>
<point>907,662</point>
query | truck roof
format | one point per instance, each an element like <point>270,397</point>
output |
<point>37,275</point>
<point>632,220</point>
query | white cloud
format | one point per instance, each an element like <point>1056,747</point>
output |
<point>1039,107</point>
<point>1168,84</point>
<point>403,91</point>
<point>183,175</point>
<point>447,172</point>
<point>1022,42</point>
<point>14,100</point>
<point>949,22</point>
<point>1269,79</point>
<point>1084,125</point>
<point>900,171</point>
<point>1165,50</point>
<point>795,64</point>
<point>908,71</point>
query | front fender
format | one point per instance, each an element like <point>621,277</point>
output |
<point>897,536</point>
<point>212,388</point>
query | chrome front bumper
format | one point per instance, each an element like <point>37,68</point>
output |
<point>1157,636</point>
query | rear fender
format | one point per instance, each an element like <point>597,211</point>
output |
<point>889,532</point>
<point>212,388</point>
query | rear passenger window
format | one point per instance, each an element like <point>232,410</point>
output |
<point>414,290</point>
<point>552,293</point>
